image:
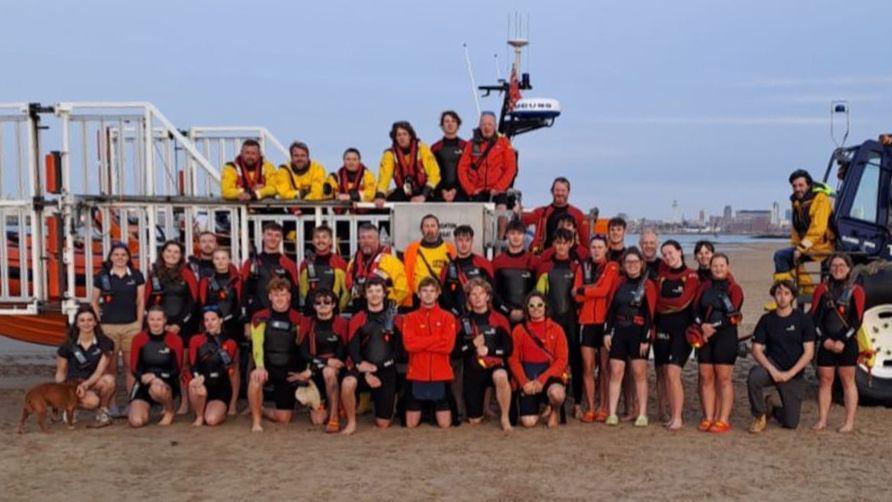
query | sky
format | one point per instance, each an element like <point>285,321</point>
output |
<point>704,102</point>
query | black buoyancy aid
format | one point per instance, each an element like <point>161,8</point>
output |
<point>377,340</point>
<point>630,304</point>
<point>156,357</point>
<point>560,288</point>
<point>513,285</point>
<point>171,295</point>
<point>280,342</point>
<point>213,361</point>
<point>264,267</point>
<point>222,294</point>
<point>324,342</point>
<point>716,301</point>
<point>320,273</point>
<point>836,313</point>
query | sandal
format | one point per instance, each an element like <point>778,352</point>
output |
<point>601,416</point>
<point>720,427</point>
<point>705,425</point>
<point>589,417</point>
<point>333,426</point>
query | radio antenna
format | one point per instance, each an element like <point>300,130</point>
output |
<point>471,77</point>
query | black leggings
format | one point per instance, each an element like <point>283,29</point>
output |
<point>568,322</point>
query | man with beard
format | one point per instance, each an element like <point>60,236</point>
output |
<point>546,218</point>
<point>249,176</point>
<point>373,260</point>
<point>302,179</point>
<point>488,164</point>
<point>202,263</point>
<point>427,257</point>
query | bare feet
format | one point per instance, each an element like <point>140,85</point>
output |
<point>674,425</point>
<point>166,418</point>
<point>846,428</point>
<point>819,426</point>
<point>233,411</point>
<point>553,420</point>
<point>349,429</point>
<point>198,422</point>
<point>256,427</point>
<point>506,425</point>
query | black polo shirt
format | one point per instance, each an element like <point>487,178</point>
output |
<point>83,362</point>
<point>119,305</point>
<point>783,337</point>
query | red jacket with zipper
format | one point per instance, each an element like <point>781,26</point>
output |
<point>428,337</point>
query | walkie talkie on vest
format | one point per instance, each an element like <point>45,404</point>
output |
<point>638,294</point>
<point>587,272</point>
<point>408,186</point>
<point>311,269</point>
<point>388,321</point>
<point>468,329</point>
<point>105,285</point>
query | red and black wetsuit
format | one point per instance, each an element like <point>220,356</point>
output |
<point>837,311</point>
<point>448,151</point>
<point>515,277</point>
<point>375,337</point>
<point>456,274</point>
<point>630,316</point>
<point>212,356</point>
<point>201,267</point>
<point>322,340</point>
<point>477,371</point>
<point>257,271</point>
<point>718,303</point>
<point>159,354</point>
<point>224,291</point>
<point>177,293</point>
<point>676,290</point>
<point>545,218</point>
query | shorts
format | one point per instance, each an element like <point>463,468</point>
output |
<point>671,348</point>
<point>438,405</point>
<point>219,389</point>
<point>384,397</point>
<point>848,357</point>
<point>319,380</point>
<point>280,390</point>
<point>593,335</point>
<point>475,381</point>
<point>122,334</point>
<point>529,405</point>
<point>626,344</point>
<point>720,349</point>
<point>140,391</point>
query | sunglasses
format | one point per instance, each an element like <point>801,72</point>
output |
<point>538,305</point>
<point>325,301</point>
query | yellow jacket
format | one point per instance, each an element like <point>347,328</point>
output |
<point>428,161</point>
<point>811,223</point>
<point>232,184</point>
<point>306,186</point>
<point>389,268</point>
<point>366,189</point>
<point>422,261</point>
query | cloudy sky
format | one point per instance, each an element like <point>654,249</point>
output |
<point>703,102</point>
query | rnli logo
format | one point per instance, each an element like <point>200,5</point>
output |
<point>526,275</point>
<point>791,327</point>
<point>165,350</point>
<point>439,264</point>
<point>678,290</point>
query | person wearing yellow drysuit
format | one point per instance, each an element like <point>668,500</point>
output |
<point>811,236</point>
<point>411,166</point>
<point>302,178</point>
<point>249,176</point>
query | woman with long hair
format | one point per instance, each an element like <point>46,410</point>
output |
<point>411,166</point>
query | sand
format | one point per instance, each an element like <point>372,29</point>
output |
<point>577,461</point>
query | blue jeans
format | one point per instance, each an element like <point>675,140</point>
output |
<point>784,260</point>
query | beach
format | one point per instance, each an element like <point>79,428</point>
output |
<point>577,461</point>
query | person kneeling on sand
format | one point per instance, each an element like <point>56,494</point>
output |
<point>212,359</point>
<point>783,345</point>
<point>156,360</point>
<point>538,363</point>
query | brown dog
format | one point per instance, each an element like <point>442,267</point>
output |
<point>53,396</point>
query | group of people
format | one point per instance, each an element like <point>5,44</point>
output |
<point>562,326</point>
<point>480,169</point>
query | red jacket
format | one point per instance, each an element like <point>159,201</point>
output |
<point>593,300</point>
<point>526,350</point>
<point>539,217</point>
<point>428,337</point>
<point>495,173</point>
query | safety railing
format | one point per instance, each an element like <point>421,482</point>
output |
<point>222,144</point>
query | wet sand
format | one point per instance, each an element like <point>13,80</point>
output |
<point>577,461</point>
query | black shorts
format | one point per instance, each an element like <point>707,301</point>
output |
<point>319,380</point>
<point>593,336</point>
<point>384,397</point>
<point>671,348</point>
<point>415,404</point>
<point>141,391</point>
<point>460,195</point>
<point>279,390</point>
<point>475,381</point>
<point>529,405</point>
<point>626,344</point>
<point>848,356</point>
<point>720,349</point>
<point>219,389</point>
